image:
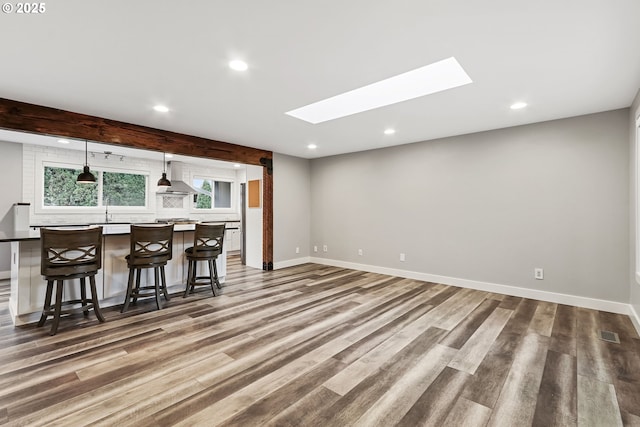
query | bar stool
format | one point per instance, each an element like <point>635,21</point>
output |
<point>151,247</point>
<point>69,254</point>
<point>207,245</point>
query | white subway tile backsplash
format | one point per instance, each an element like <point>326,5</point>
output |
<point>159,207</point>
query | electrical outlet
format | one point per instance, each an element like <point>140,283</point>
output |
<point>315,249</point>
<point>538,273</point>
<point>324,248</point>
<point>297,250</point>
<point>360,252</point>
<point>402,257</point>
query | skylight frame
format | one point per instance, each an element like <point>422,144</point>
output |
<point>429,79</point>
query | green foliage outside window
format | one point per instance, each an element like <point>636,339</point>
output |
<point>121,189</point>
<point>220,190</point>
<point>61,189</point>
<point>204,198</point>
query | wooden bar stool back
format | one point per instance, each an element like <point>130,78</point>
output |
<point>151,247</point>
<point>207,245</point>
<point>69,254</point>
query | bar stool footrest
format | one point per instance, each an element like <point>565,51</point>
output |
<point>83,308</point>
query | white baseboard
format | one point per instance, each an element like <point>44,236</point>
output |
<point>291,262</point>
<point>635,319</point>
<point>586,302</point>
<point>5,275</point>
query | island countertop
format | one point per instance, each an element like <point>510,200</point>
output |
<point>109,228</point>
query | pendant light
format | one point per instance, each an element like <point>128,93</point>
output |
<point>86,177</point>
<point>164,182</point>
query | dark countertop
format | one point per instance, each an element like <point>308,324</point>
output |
<point>34,231</point>
<point>19,236</point>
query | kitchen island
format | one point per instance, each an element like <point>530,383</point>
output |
<point>28,286</point>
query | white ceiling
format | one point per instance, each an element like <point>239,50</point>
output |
<point>118,58</point>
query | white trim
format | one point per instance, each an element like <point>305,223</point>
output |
<point>586,302</point>
<point>635,319</point>
<point>291,262</point>
<point>5,275</point>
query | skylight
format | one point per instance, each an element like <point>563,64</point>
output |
<point>432,78</point>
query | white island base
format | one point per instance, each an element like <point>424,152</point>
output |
<point>28,286</point>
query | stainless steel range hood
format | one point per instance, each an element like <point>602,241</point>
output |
<point>178,186</point>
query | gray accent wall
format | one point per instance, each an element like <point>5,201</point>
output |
<point>10,193</point>
<point>488,207</point>
<point>291,208</point>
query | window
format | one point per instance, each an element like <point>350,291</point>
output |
<point>212,194</point>
<point>61,189</point>
<point>124,189</point>
<point>111,188</point>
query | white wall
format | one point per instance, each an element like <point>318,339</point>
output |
<point>10,193</point>
<point>253,225</point>
<point>291,210</point>
<point>634,287</point>
<point>487,207</point>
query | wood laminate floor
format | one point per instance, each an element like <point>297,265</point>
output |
<point>324,346</point>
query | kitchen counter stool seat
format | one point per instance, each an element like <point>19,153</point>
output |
<point>207,245</point>
<point>151,247</point>
<point>68,254</point>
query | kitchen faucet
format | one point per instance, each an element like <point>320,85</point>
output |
<point>106,210</point>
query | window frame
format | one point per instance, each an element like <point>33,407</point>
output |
<point>213,209</point>
<point>40,208</point>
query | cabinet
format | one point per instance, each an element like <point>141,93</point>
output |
<point>114,266</point>
<point>28,287</point>
<point>233,236</point>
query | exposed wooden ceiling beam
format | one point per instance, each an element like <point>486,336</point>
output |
<point>21,116</point>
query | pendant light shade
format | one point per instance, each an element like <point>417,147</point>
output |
<point>164,182</point>
<point>86,177</point>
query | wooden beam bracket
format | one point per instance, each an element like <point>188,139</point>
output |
<point>267,163</point>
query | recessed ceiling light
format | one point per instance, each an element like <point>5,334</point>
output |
<point>312,146</point>
<point>518,105</point>
<point>432,78</point>
<point>64,141</point>
<point>168,155</point>
<point>236,165</point>
<point>238,65</point>
<point>389,131</point>
<point>161,108</point>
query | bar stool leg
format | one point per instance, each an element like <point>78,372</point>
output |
<point>215,269</point>
<point>156,276</point>
<point>137,291</point>
<point>58,308</point>
<point>194,278</point>
<point>127,298</point>
<point>94,298</point>
<point>164,284</point>
<point>47,303</point>
<point>83,296</point>
<point>211,277</point>
<point>189,268</point>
